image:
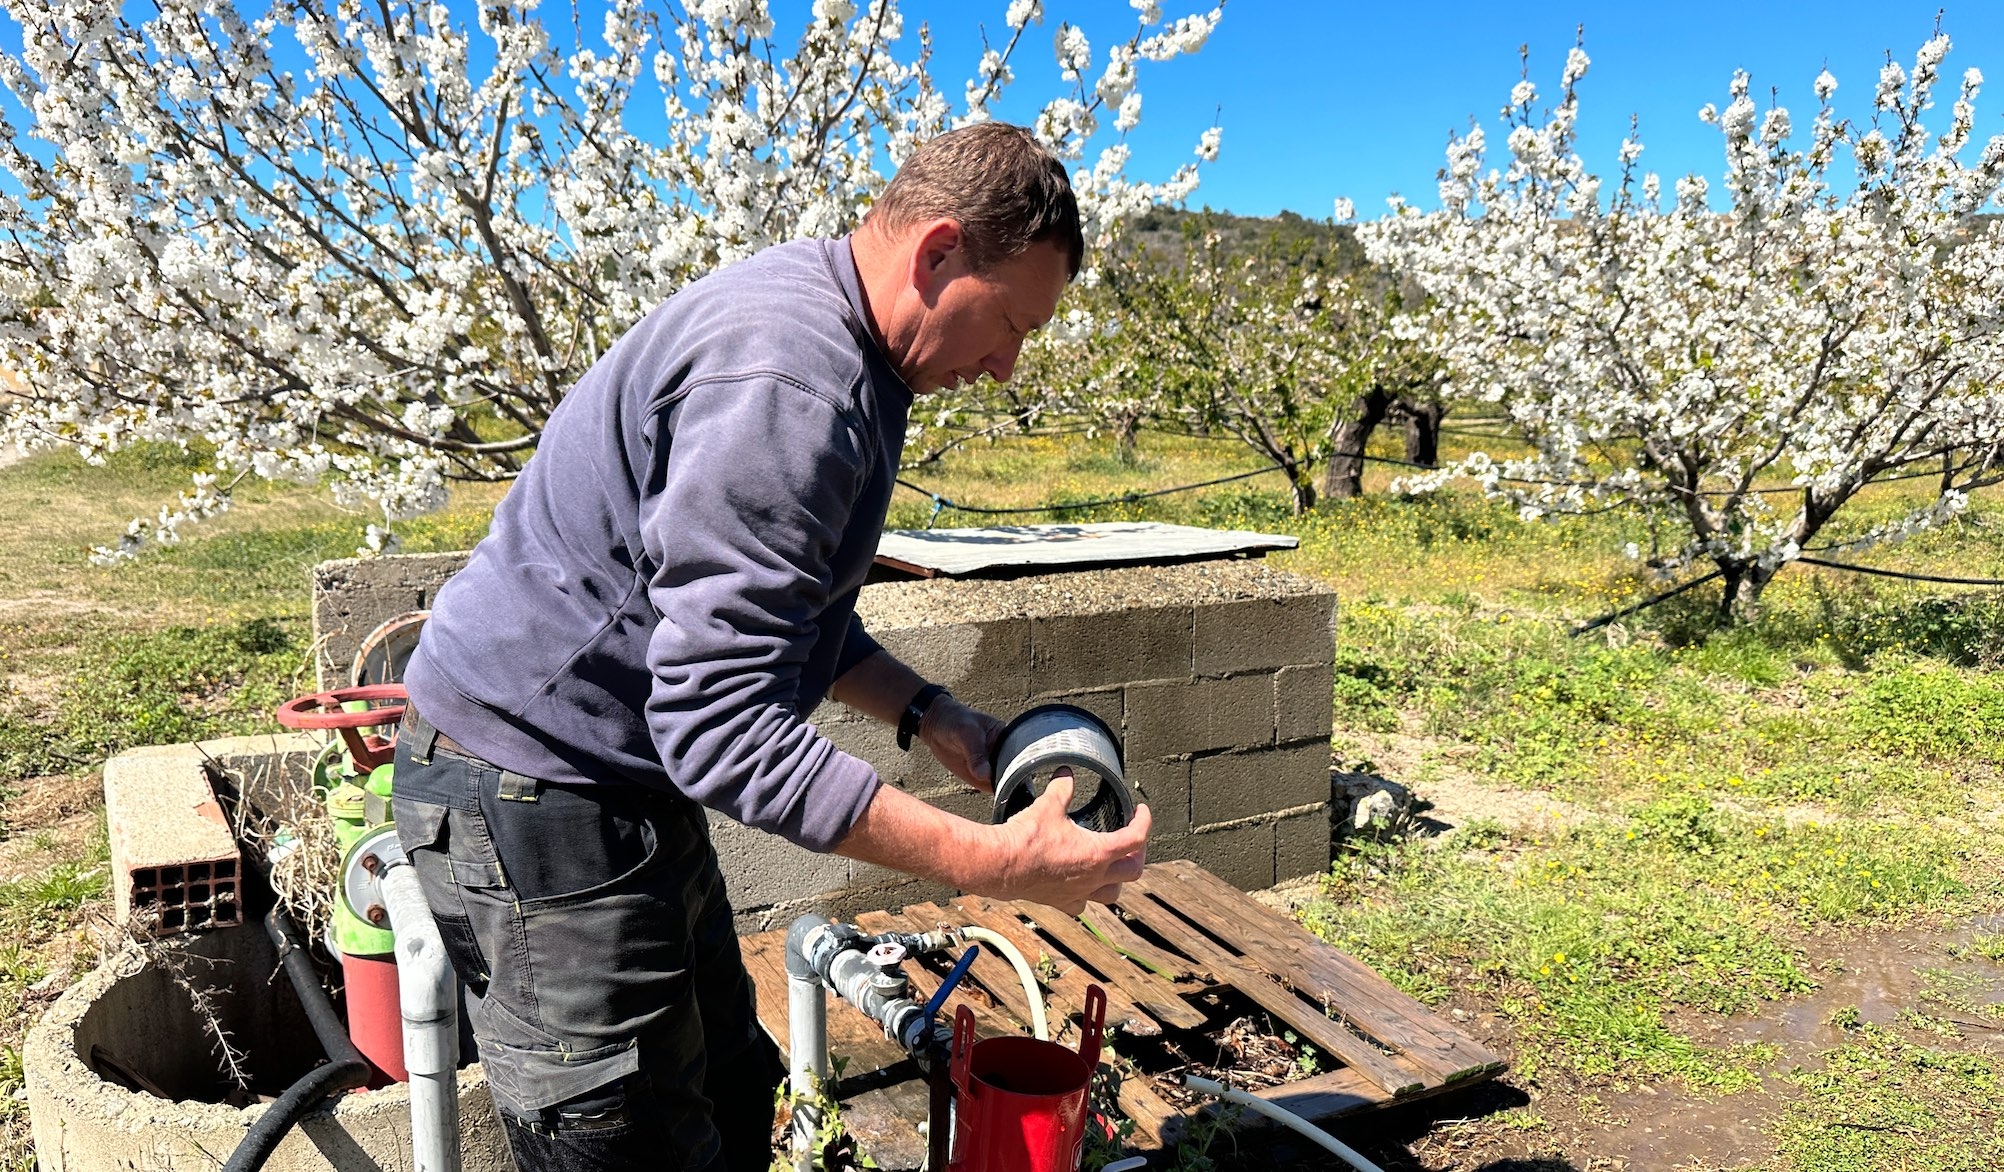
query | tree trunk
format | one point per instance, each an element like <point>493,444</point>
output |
<point>1423,431</point>
<point>1739,602</point>
<point>1303,487</point>
<point>1344,478</point>
<point>1126,429</point>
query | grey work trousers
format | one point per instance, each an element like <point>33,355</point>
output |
<point>615,1020</point>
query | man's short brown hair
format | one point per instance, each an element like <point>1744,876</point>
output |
<point>997,182</point>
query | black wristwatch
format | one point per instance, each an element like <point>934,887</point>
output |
<point>915,708</point>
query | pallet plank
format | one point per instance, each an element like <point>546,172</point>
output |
<point>1106,923</point>
<point>1369,1001</point>
<point>1150,1112</point>
<point>1068,987</point>
<point>1396,1077</point>
<point>995,976</point>
<point>1176,932</point>
<point>1156,996</point>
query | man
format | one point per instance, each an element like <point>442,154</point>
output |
<point>664,597</point>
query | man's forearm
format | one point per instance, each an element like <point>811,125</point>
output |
<point>878,687</point>
<point>907,834</point>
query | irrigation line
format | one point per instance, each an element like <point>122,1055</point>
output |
<point>1902,574</point>
<point>1645,604</point>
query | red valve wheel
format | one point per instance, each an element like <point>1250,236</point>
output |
<point>326,710</point>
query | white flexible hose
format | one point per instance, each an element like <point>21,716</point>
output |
<point>1282,1116</point>
<point>1024,973</point>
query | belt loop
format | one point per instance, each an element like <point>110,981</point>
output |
<point>517,788</point>
<point>422,736</point>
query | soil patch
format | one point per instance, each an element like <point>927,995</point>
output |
<point>1568,1125</point>
<point>40,802</point>
<point>1428,767</point>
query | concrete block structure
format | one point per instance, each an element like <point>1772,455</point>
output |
<point>174,863</point>
<point>354,596</point>
<point>1217,675</point>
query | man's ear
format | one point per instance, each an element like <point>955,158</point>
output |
<point>936,258</point>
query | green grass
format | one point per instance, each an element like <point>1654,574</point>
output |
<point>1885,1103</point>
<point>1591,938</point>
<point>53,894</point>
<point>180,684</point>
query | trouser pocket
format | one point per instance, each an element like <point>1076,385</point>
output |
<point>456,868</point>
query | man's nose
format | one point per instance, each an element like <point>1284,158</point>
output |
<point>1001,364</point>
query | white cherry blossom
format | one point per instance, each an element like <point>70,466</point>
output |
<point>1738,376</point>
<point>373,244</point>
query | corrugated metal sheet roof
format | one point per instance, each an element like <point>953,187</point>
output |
<point>1007,550</point>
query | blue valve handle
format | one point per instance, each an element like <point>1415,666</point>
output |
<point>945,987</point>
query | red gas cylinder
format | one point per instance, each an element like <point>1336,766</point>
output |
<point>1022,1103</point>
<point>375,1016</point>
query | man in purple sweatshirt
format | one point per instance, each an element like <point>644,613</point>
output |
<point>665,596</point>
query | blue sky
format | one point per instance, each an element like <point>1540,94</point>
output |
<point>1323,99</point>
<point>1319,99</point>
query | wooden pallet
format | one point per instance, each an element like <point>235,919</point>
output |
<point>1178,933</point>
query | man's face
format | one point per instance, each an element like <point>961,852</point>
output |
<point>968,323</point>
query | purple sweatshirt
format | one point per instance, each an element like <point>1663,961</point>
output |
<point>669,588</point>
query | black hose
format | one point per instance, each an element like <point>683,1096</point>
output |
<point>344,1070</point>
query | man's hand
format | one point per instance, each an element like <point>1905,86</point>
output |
<point>1049,859</point>
<point>960,739</point>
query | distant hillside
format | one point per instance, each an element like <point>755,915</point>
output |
<point>1162,233</point>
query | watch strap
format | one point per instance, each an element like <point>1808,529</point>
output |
<point>915,710</point>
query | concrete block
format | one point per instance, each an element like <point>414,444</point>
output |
<point>761,869</point>
<point>1265,633</point>
<point>1231,786</point>
<point>1240,855</point>
<point>1301,845</point>
<point>1166,720</point>
<point>1302,702</point>
<point>1164,786</point>
<point>1102,650</point>
<point>985,665</point>
<point>174,863</point>
<point>894,897</point>
<point>956,797</point>
<point>1109,704</point>
<point>1162,847</point>
<point>354,596</point>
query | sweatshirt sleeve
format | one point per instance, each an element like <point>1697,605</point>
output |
<point>756,487</point>
<point>857,646</point>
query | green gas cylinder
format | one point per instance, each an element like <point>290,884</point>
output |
<point>355,810</point>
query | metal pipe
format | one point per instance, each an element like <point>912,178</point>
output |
<point>822,955</point>
<point>428,993</point>
<point>344,1070</point>
<point>806,1038</point>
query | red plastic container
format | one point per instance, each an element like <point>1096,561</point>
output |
<point>375,1016</point>
<point>1022,1103</point>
